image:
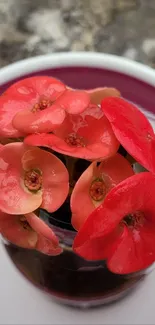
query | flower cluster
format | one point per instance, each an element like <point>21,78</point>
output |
<point>58,143</point>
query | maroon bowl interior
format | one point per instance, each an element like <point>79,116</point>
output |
<point>131,88</point>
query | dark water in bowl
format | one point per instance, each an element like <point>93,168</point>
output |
<point>68,277</point>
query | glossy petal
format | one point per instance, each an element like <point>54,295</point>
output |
<point>136,193</point>
<point>99,248</point>
<point>34,234</point>
<point>98,94</point>
<point>9,106</point>
<point>135,251</point>
<point>74,101</point>
<point>81,203</point>
<point>42,121</point>
<point>23,95</point>
<point>91,127</point>
<point>41,228</point>
<point>132,129</point>
<point>12,228</point>
<point>55,177</point>
<point>45,246</point>
<point>15,198</point>
<point>112,171</point>
<point>37,87</point>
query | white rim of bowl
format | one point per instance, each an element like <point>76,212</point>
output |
<point>85,59</point>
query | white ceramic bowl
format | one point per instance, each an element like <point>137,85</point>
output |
<point>87,70</point>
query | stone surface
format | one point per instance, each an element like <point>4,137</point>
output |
<point>121,27</point>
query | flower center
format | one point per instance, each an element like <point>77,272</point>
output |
<point>24,223</point>
<point>33,180</point>
<point>97,189</point>
<point>43,104</point>
<point>134,220</point>
<point>75,140</point>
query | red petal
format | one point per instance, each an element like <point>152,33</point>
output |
<point>132,129</point>
<point>46,247</point>
<point>12,229</point>
<point>115,170</point>
<point>98,94</point>
<point>37,87</point>
<point>54,174</point>
<point>94,129</point>
<point>136,193</point>
<point>14,198</point>
<point>25,94</point>
<point>99,248</point>
<point>74,101</point>
<point>41,228</point>
<point>81,202</point>
<point>42,121</point>
<point>135,251</point>
<point>112,171</point>
<point>9,106</point>
<point>39,237</point>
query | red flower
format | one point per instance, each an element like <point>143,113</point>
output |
<point>87,135</point>
<point>122,229</point>
<point>29,232</point>
<point>31,178</point>
<point>37,104</point>
<point>29,95</point>
<point>94,184</point>
<point>132,129</point>
<point>98,94</point>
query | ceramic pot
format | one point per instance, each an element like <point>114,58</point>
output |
<point>67,277</point>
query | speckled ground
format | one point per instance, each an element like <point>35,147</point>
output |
<point>122,27</point>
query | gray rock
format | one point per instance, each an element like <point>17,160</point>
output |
<point>130,53</point>
<point>66,4</point>
<point>122,5</point>
<point>148,4</point>
<point>148,46</point>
